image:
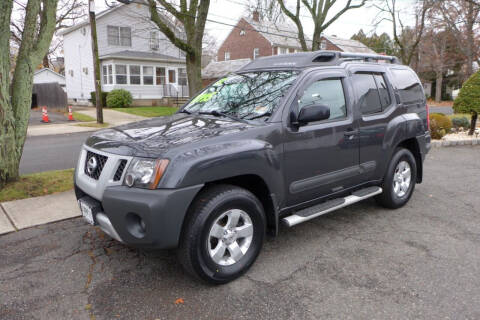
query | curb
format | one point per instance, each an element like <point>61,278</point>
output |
<point>452,143</point>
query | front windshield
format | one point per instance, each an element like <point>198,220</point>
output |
<point>247,96</point>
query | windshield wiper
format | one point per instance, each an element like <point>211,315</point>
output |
<point>216,113</point>
<point>185,111</point>
<point>266,114</point>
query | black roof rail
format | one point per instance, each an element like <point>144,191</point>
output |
<point>304,60</point>
<point>369,57</point>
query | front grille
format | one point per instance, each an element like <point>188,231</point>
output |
<point>94,168</point>
<point>119,172</point>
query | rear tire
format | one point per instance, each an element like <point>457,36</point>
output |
<point>399,181</point>
<point>223,234</point>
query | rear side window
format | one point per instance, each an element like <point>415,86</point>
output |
<point>409,89</point>
<point>385,99</point>
<point>366,88</point>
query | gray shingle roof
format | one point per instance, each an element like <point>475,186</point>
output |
<point>218,69</point>
<point>142,55</point>
<point>349,45</point>
<point>284,35</point>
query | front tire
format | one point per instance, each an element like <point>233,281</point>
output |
<point>223,234</point>
<point>399,181</point>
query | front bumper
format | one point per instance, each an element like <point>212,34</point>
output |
<point>141,217</point>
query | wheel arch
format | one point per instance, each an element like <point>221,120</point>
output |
<point>258,187</point>
<point>412,145</point>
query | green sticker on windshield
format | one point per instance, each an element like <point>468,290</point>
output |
<point>204,97</point>
<point>221,81</point>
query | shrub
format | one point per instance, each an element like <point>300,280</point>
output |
<point>94,100</point>
<point>468,100</point>
<point>440,125</point>
<point>119,98</point>
<point>458,122</point>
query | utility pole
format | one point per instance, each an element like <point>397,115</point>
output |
<point>96,61</point>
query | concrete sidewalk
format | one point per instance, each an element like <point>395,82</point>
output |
<point>25,213</point>
<point>112,117</point>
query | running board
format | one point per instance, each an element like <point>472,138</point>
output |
<point>329,206</point>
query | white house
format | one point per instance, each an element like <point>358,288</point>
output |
<point>134,55</point>
<point>47,75</point>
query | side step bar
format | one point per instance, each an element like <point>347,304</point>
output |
<point>329,206</point>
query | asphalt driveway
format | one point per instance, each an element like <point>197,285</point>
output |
<point>362,262</point>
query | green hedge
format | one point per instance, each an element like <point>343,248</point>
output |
<point>468,99</point>
<point>440,125</point>
<point>94,100</point>
<point>119,98</point>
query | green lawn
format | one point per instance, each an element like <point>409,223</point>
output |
<point>38,184</point>
<point>149,112</point>
<point>82,117</point>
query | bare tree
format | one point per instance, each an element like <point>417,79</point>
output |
<point>16,94</point>
<point>193,16</point>
<point>319,10</point>
<point>268,10</point>
<point>405,37</point>
<point>461,16</point>
<point>68,12</point>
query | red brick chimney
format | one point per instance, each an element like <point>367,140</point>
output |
<point>256,16</point>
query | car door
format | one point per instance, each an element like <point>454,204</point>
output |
<point>322,157</point>
<point>376,104</point>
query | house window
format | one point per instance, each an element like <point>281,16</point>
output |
<point>85,70</point>
<point>227,55</point>
<point>282,50</point>
<point>323,45</point>
<point>171,76</point>
<point>256,53</point>
<point>70,72</point>
<point>121,74</point>
<point>242,32</point>
<point>119,36</point>
<point>134,74</point>
<point>147,75</point>
<point>107,74</point>
<point>182,76</point>
<point>154,40</point>
<point>160,74</point>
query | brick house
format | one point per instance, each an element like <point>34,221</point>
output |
<point>252,38</point>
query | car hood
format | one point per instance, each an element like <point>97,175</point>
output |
<point>154,137</point>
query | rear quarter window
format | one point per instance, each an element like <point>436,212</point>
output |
<point>409,88</point>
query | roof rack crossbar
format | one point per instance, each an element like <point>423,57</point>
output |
<point>368,56</point>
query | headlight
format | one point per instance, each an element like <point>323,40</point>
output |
<point>145,173</point>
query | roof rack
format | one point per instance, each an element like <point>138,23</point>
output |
<point>369,57</point>
<point>304,60</point>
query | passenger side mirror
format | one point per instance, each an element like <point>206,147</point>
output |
<point>313,113</point>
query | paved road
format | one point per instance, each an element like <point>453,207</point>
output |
<point>361,262</point>
<point>444,110</point>
<point>55,152</point>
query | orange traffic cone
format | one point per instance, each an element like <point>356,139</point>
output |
<point>45,115</point>
<point>70,114</point>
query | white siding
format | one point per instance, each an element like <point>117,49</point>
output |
<point>143,91</point>
<point>46,76</point>
<point>78,57</point>
<point>78,52</point>
<point>137,17</point>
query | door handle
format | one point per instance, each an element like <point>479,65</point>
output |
<point>350,134</point>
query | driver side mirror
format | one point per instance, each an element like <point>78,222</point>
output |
<point>313,113</point>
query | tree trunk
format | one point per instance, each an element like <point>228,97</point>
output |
<point>473,123</point>
<point>194,74</point>
<point>438,86</point>
<point>45,62</point>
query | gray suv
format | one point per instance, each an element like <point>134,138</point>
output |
<point>284,140</point>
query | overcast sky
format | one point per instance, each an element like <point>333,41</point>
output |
<point>230,11</point>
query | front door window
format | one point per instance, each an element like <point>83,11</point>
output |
<point>172,77</point>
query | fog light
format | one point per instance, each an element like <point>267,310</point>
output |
<point>136,225</point>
